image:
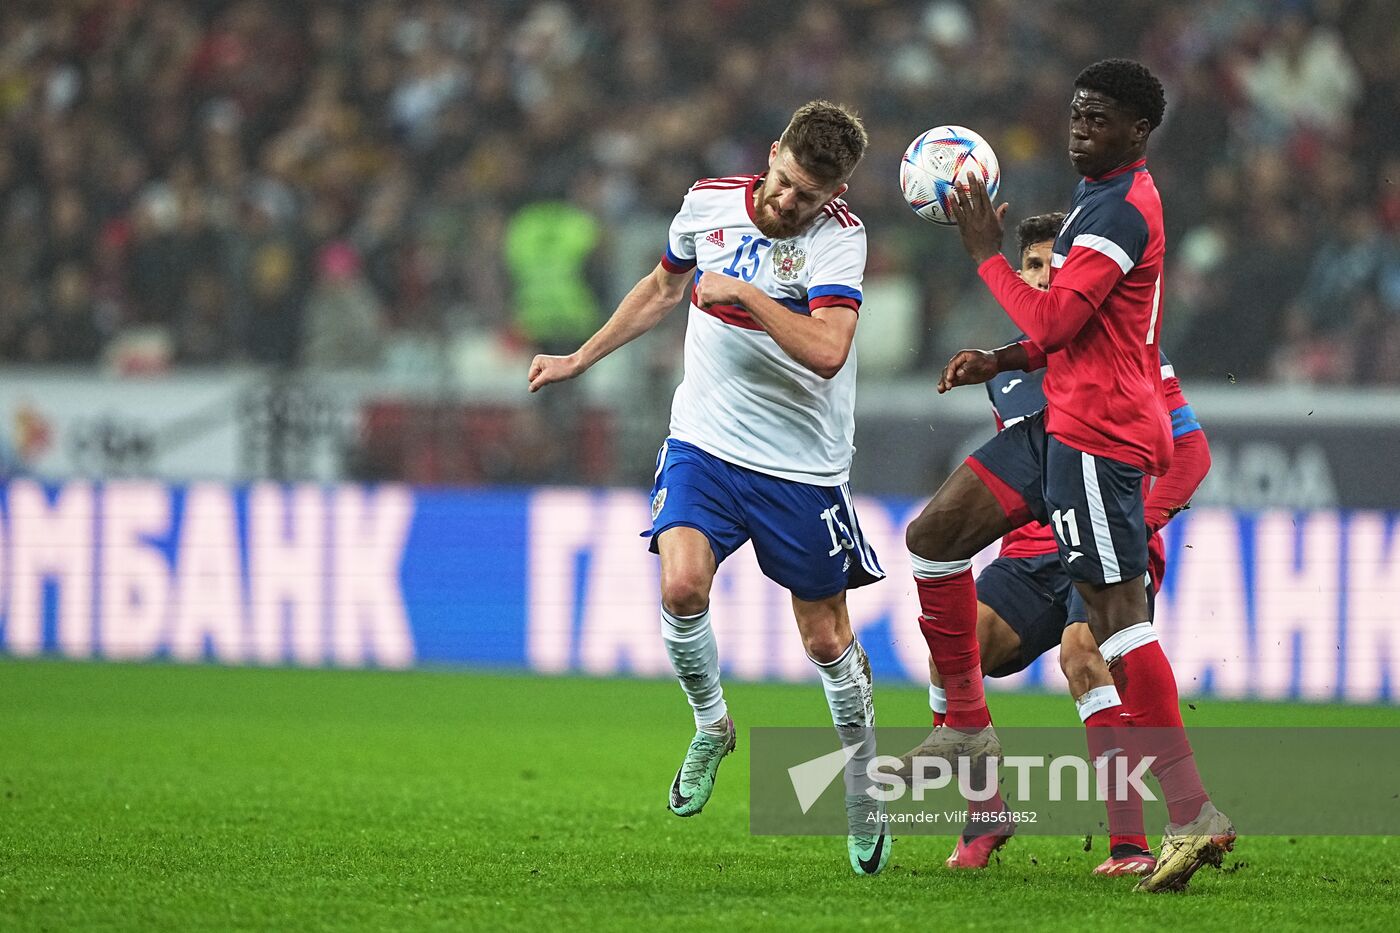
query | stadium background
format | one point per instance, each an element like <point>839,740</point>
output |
<point>317,243</point>
<point>271,275</point>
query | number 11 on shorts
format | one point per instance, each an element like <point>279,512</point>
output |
<point>1066,529</point>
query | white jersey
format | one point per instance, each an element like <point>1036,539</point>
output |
<point>743,399</point>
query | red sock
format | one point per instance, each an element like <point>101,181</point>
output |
<point>995,804</point>
<point>1106,730</point>
<point>1148,687</point>
<point>939,719</point>
<point>949,624</point>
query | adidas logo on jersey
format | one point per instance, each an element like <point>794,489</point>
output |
<point>716,237</point>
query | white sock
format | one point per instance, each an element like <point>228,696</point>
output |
<point>1097,699</point>
<point>937,700</point>
<point>925,569</point>
<point>1126,640</point>
<point>690,644</point>
<point>846,683</point>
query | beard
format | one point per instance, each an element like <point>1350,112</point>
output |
<point>778,228</point>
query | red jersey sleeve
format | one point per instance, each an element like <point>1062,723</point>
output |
<point>1035,356</point>
<point>1173,490</point>
<point>1050,319</point>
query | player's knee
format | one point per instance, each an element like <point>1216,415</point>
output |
<point>997,642</point>
<point>825,646</point>
<point>917,538</point>
<point>934,534</point>
<point>685,593</point>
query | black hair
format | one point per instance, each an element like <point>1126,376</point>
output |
<point>1130,84</point>
<point>1038,229</point>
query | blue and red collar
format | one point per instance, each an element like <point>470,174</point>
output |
<point>1130,167</point>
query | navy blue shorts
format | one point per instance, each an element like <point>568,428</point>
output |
<point>1031,595</point>
<point>1076,611</point>
<point>1037,599</point>
<point>807,538</point>
<point>1092,504</point>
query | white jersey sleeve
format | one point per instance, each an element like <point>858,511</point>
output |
<point>838,268</point>
<point>680,240</point>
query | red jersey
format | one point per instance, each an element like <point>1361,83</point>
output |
<point>1099,323</point>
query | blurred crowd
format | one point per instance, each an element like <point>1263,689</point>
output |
<point>361,184</point>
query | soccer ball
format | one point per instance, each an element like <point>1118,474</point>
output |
<point>939,159</point>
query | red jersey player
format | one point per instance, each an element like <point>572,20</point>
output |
<point>1027,604</point>
<point>1080,465</point>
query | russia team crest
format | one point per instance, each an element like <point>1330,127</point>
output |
<point>788,260</point>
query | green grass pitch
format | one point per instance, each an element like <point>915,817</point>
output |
<point>187,798</point>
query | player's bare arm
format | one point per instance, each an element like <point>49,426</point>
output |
<point>645,305</point>
<point>820,341</point>
<point>974,367</point>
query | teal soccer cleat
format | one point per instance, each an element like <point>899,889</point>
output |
<point>695,780</point>
<point>868,843</point>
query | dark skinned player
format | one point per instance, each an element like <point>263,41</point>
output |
<point>1079,465</point>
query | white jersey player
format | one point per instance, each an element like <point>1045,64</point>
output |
<point>761,430</point>
<point>744,399</point>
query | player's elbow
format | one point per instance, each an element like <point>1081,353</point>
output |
<point>828,364</point>
<point>671,292</point>
<point>1193,451</point>
<point>667,289</point>
<point>1205,452</point>
<point>1052,340</point>
<point>828,357</point>
<point>1202,460</point>
<point>1057,319</point>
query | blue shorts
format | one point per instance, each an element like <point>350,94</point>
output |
<point>1031,594</point>
<point>1076,611</point>
<point>807,538</point>
<point>1037,599</point>
<point>1094,505</point>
